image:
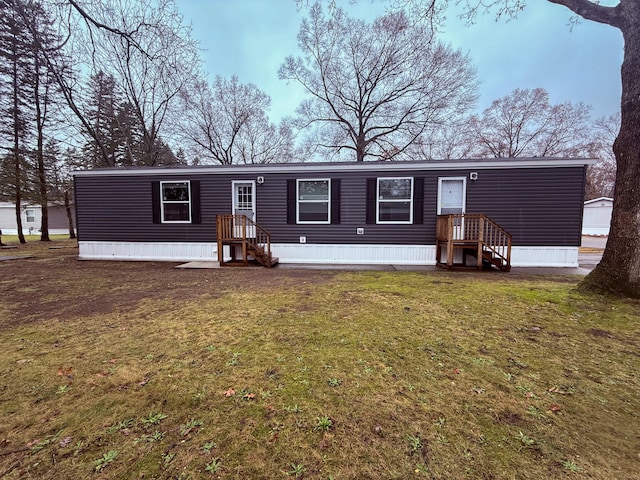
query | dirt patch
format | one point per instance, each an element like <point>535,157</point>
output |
<point>55,284</point>
<point>509,418</point>
<point>596,332</point>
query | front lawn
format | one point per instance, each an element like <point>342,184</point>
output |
<point>139,370</point>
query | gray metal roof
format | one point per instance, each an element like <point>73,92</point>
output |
<point>463,164</point>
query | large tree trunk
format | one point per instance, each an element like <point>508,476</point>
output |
<point>619,270</point>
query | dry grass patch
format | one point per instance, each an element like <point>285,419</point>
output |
<point>129,370</point>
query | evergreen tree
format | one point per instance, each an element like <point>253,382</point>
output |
<point>14,69</point>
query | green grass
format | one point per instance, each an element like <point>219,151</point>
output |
<point>138,370</point>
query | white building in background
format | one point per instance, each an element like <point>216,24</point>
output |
<point>597,216</point>
<point>32,219</point>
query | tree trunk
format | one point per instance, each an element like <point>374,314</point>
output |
<point>619,270</point>
<point>67,206</point>
<point>42,176</point>
<point>16,144</point>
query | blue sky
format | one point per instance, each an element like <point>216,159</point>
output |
<point>251,38</point>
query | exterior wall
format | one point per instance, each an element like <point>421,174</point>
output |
<point>58,224</point>
<point>539,206</point>
<point>597,216</point>
<point>8,223</point>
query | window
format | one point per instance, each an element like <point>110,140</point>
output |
<point>395,200</point>
<point>451,195</point>
<point>175,202</point>
<point>31,215</point>
<point>313,201</point>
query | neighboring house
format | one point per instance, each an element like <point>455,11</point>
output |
<point>597,216</point>
<point>32,219</point>
<point>331,213</point>
<point>31,216</point>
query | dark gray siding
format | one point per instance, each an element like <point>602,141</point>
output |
<point>539,206</point>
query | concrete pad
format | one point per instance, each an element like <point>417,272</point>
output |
<point>593,241</point>
<point>324,266</point>
<point>15,257</point>
<point>201,265</point>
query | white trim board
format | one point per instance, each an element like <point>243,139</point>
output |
<point>334,254</point>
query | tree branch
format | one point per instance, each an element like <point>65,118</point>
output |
<point>592,11</point>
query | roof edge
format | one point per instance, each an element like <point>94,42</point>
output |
<point>478,164</point>
<point>599,200</point>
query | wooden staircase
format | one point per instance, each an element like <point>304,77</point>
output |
<point>248,242</point>
<point>459,236</point>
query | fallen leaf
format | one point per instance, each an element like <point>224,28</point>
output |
<point>230,393</point>
<point>102,374</point>
<point>530,394</point>
<point>456,370</point>
<point>113,360</point>
<point>559,391</point>
<point>65,441</point>
<point>4,442</point>
<point>555,408</point>
<point>65,372</point>
<point>250,396</point>
<point>33,443</point>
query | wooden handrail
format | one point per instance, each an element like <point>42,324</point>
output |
<point>240,228</point>
<point>474,227</point>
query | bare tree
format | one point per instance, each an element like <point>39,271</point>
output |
<point>524,123</point>
<point>619,269</point>
<point>376,88</point>
<point>601,177</point>
<point>152,62</point>
<point>227,123</point>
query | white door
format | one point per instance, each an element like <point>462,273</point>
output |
<point>452,200</point>
<point>244,203</point>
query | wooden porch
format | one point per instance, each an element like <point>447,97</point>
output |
<point>248,242</point>
<point>459,236</point>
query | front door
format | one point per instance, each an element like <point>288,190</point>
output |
<point>244,203</point>
<point>452,200</point>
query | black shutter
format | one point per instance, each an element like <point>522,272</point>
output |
<point>291,202</point>
<point>155,201</point>
<point>335,201</point>
<point>196,217</point>
<point>418,200</point>
<point>372,187</point>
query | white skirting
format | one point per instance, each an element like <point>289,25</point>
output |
<point>157,251</point>
<point>335,254</point>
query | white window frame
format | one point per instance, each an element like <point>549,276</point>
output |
<point>163,202</point>
<point>464,192</point>
<point>396,200</point>
<point>328,201</point>
<point>33,215</point>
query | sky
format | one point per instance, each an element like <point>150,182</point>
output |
<point>251,39</point>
